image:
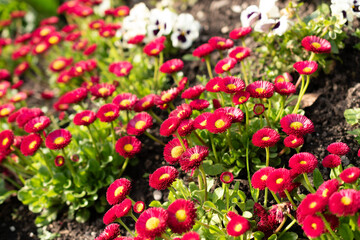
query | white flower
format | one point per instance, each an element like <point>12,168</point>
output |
<point>269,8</point>
<point>342,11</point>
<point>100,9</point>
<point>273,26</point>
<point>140,12</point>
<point>250,15</point>
<point>186,30</point>
<point>160,23</point>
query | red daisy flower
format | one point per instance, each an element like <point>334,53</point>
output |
<point>214,84</point>
<point>118,190</point>
<point>240,97</point>
<point>64,77</point>
<point>231,85</point>
<point>182,215</point>
<point>316,44</point>
<point>6,139</point>
<point>190,236</point>
<point>90,49</point>
<point>236,114</point>
<point>18,84</point>
<point>97,24</point>
<point>153,48</point>
<point>53,38</point>
<point>74,96</point>
<point>306,67</point>
<point>102,90</point>
<point>225,65</point>
<point>110,215</point>
<point>331,161</point>
<point>40,48</point>
<point>240,53</point>
<point>4,74</point>
<point>112,230</point>
<point>313,226</point>
<point>265,137</point>
<point>6,109</point>
<point>172,66</point>
<point>237,226</point>
<point>238,33</point>
<point>167,96</point>
<point>338,148</point>
<point>107,31</point>
<point>185,127</point>
<point>84,118</point>
<point>327,188</point>
<point>312,204</point>
<point>346,202</point>
<point>128,146</point>
<point>20,52</point>
<point>193,157</point>
<point>173,150</point>
<point>121,68</point>
<point>30,144</point>
<point>123,208</point>
<point>260,89</point>
<point>59,161</point>
<point>303,162</point>
<point>139,207</point>
<point>350,175</point>
<point>258,180</point>
<point>258,109</point>
<point>20,96</point>
<point>193,92</point>
<point>181,112</point>
<point>58,139</point>
<point>221,43</point>
<point>293,141</point>
<point>26,115</point>
<point>218,122</point>
<point>69,28</point>
<point>152,222</point>
<point>145,103</point>
<point>296,124</point>
<point>199,104</point>
<point>290,188</point>
<point>200,122</point>
<point>203,50</point>
<point>80,45</point>
<point>226,177</point>
<point>37,124</point>
<point>108,112</point>
<point>58,106</point>
<point>136,39</point>
<point>163,177</point>
<point>285,88</point>
<point>169,126</point>
<point>75,158</point>
<point>49,21</point>
<point>47,94</point>
<point>139,124</point>
<point>21,68</point>
<point>278,180</point>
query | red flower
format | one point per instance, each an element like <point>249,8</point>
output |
<point>90,49</point>
<point>6,139</point>
<point>327,188</point>
<point>125,101</point>
<point>139,207</point>
<point>21,52</point>
<point>108,112</point>
<point>260,89</point>
<point>350,175</point>
<point>112,230</point>
<point>58,139</point>
<point>37,124</point>
<point>182,214</point>
<point>331,161</point>
<point>199,104</point>
<point>285,88</point>
<point>316,44</point>
<point>226,177</point>
<point>181,112</point>
<point>306,67</point>
<point>286,77</point>
<point>278,180</point>
<point>53,38</point>
<point>185,127</point>
<point>221,43</point>
<point>312,204</point>
<point>26,115</point>
<point>30,144</point>
<point>84,118</point>
<point>74,96</point>
<point>21,68</point>
<point>107,31</point>
<point>121,68</point>
<point>173,150</point>
<point>260,177</point>
<point>338,148</point>
<point>152,222</point>
<point>128,146</point>
<point>69,28</point>
<point>193,92</point>
<point>59,161</point>
<point>313,226</point>
<point>240,32</point>
<point>218,122</point>
<point>240,53</point>
<point>193,157</point>
<point>110,215</point>
<point>214,84</point>
<point>225,65</point>
<point>203,50</point>
<point>20,96</point>
<point>40,48</point>
<point>136,39</point>
<point>80,45</point>
<point>303,162</point>
<point>296,124</point>
<point>145,103</point>
<point>236,114</point>
<point>6,109</point>
<point>64,77</point>
<point>17,14</point>
<point>18,84</point>
<point>163,177</point>
<point>123,208</point>
<point>258,109</point>
<point>102,90</point>
<point>49,21</point>
<point>240,97</point>
<point>153,48</point>
<point>237,226</point>
<point>4,74</point>
<point>172,66</point>
<point>121,11</point>
<point>293,141</point>
<point>190,236</point>
<point>97,24</point>
<point>200,122</point>
<point>118,190</point>
<point>346,202</point>
<point>232,85</point>
<point>265,137</point>
<point>169,126</point>
<point>139,124</point>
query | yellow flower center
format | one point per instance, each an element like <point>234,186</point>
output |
<point>203,123</point>
<point>4,111</point>
<point>40,48</point>
<point>140,124</point>
<point>152,223</point>
<point>346,201</point>
<point>226,67</point>
<point>296,125</point>
<point>60,161</point>
<point>313,204</point>
<point>279,180</point>
<point>221,43</point>
<point>85,119</point>
<point>239,55</point>
<point>314,226</point>
<point>303,162</point>
<point>103,91</point>
<point>22,66</point>
<point>5,141</point>
<point>238,228</point>
<point>145,104</point>
<point>265,139</point>
<point>32,144</point>
<point>226,178</point>
<point>139,207</point>
<point>294,141</point>
<point>109,114</point>
<point>219,123</point>
<point>260,90</point>
<point>79,69</point>
<point>316,45</point>
<point>106,33</point>
<point>264,177</point>
<point>121,13</point>
<point>154,51</point>
<point>216,87</point>
<point>125,103</point>
<point>231,86</point>
<point>128,147</point>
<point>38,125</point>
<point>307,69</point>
<point>242,98</point>
<point>194,156</point>
<point>44,32</point>
<point>164,176</point>
<point>325,192</point>
<point>281,79</point>
<point>53,39</point>
<point>96,25</point>
<point>172,67</point>
<point>59,140</point>
<point>16,98</point>
<point>177,151</point>
<point>180,215</point>
<point>351,175</point>
<point>118,191</point>
<point>166,96</point>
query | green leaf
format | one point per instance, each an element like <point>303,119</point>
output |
<point>289,236</point>
<point>190,57</point>
<point>219,193</point>
<point>258,235</point>
<point>213,170</point>
<point>317,178</point>
<point>155,204</point>
<point>352,116</point>
<point>82,215</point>
<point>273,237</point>
<point>208,205</point>
<point>255,194</point>
<point>345,232</point>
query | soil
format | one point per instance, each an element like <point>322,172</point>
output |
<point>336,92</point>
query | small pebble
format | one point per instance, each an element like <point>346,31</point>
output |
<point>200,15</point>
<point>236,8</point>
<point>31,234</point>
<point>157,195</point>
<point>225,29</point>
<point>12,228</point>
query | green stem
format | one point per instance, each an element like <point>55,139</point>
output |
<point>132,216</point>
<point>94,143</point>
<point>154,138</point>
<point>248,164</point>
<point>199,138</point>
<point>155,116</point>
<point>308,183</point>
<point>282,104</point>
<point>208,66</point>
<point>290,199</point>
<point>266,196</point>
<point>243,69</point>
<point>15,184</point>
<point>267,150</point>
<point>275,197</point>
<point>180,139</point>
<point>213,147</point>
<point>123,167</point>
<point>328,226</point>
<point>68,164</point>
<point>266,116</point>
<point>287,228</point>
<point>227,134</point>
<point>246,116</point>
<point>113,134</point>
<point>126,228</point>
<point>46,162</point>
<point>227,196</point>
<point>201,168</point>
<point>24,159</point>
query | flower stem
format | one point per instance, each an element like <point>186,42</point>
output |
<point>290,199</point>
<point>199,138</point>
<point>151,112</point>
<point>113,134</point>
<point>156,66</point>
<point>328,226</point>
<point>248,165</point>
<point>133,217</point>
<point>229,140</point>
<point>154,138</point>
<point>94,143</point>
<point>213,147</point>
<point>243,69</point>
<point>208,66</point>
<point>180,139</point>
<point>309,186</point>
<point>46,162</point>
<point>246,117</point>
<point>227,196</point>
<point>68,164</point>
<point>282,104</point>
<point>15,184</point>
<point>123,167</point>
<point>126,228</point>
<point>275,197</point>
<point>201,168</point>
<point>287,228</point>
